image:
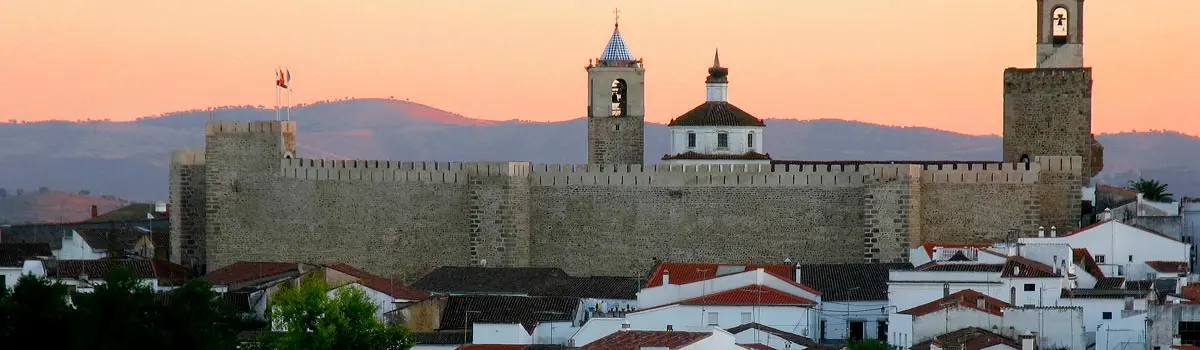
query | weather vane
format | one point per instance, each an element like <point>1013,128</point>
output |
<point>616,16</point>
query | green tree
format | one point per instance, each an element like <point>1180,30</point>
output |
<point>193,317</point>
<point>35,306</point>
<point>311,320</point>
<point>868,344</point>
<point>118,314</point>
<point>1151,190</point>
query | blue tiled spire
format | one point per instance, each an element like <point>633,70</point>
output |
<point>616,49</point>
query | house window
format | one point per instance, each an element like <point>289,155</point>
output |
<point>750,140</point>
<point>1100,259</point>
<point>1029,287</point>
<point>1106,315</point>
<point>1131,258</point>
<point>747,318</point>
<point>691,139</point>
<point>712,319</point>
<point>723,140</point>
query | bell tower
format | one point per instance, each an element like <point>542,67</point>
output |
<point>616,105</point>
<point>1060,33</point>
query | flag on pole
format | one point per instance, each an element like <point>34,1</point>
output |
<point>288,79</point>
<point>280,80</point>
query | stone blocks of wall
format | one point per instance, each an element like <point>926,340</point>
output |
<point>1058,191</point>
<point>890,212</point>
<point>972,203</point>
<point>616,140</point>
<point>187,238</point>
<point>1048,112</point>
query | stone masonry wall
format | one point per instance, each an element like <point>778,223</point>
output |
<point>402,219</point>
<point>1048,112</point>
<point>187,239</point>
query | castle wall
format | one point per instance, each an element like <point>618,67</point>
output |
<point>187,240</point>
<point>1048,112</point>
<point>402,219</point>
<point>615,220</point>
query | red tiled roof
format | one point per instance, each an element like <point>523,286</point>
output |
<point>634,340</point>
<point>166,272</point>
<point>385,285</point>
<point>750,295</point>
<point>1192,292</point>
<point>1084,259</point>
<point>970,338</point>
<point>1028,268</point>
<point>1120,190</point>
<point>929,246</point>
<point>684,273</point>
<point>1168,266</point>
<point>169,273</point>
<point>245,271</point>
<point>492,347</point>
<point>1185,347</point>
<point>964,298</point>
<point>756,346</point>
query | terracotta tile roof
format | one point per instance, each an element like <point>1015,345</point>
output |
<point>385,285</point>
<point>716,113</point>
<point>1117,190</point>
<point>970,338</point>
<point>1191,291</point>
<point>934,266</point>
<point>964,298</point>
<point>635,340</point>
<point>1185,347</point>
<point>1020,267</point>
<point>791,337</point>
<point>1168,266</point>
<point>749,295</point>
<point>1083,258</point>
<point>15,254</point>
<point>528,311</point>
<point>694,155</point>
<point>1110,283</point>
<point>166,272</point>
<point>849,282</point>
<point>684,273</point>
<point>247,271</point>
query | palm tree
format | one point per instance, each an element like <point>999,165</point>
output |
<point>1151,190</point>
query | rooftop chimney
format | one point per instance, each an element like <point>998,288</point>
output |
<point>1028,341</point>
<point>1176,340</point>
<point>95,211</point>
<point>1053,231</point>
<point>1041,231</point>
<point>625,326</point>
<point>670,328</point>
<point>666,277</point>
<point>798,273</point>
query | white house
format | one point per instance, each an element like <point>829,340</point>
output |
<point>385,293</point>
<point>1055,327</point>
<point>17,259</point>
<point>729,300</point>
<point>1018,280</point>
<point>1123,250</point>
<point>854,299</point>
<point>717,132</point>
<point>97,243</point>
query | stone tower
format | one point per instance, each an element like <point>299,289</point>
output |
<point>616,105</point>
<point>1048,109</point>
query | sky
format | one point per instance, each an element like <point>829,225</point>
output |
<point>932,63</point>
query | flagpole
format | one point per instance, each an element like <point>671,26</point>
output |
<point>289,102</point>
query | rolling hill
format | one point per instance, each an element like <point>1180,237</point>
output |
<point>129,159</point>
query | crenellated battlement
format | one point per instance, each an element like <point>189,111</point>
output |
<point>215,127</point>
<point>389,171</point>
<point>187,157</point>
<point>1066,164</point>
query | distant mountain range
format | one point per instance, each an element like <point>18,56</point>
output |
<point>129,159</point>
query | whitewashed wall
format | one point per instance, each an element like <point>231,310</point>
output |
<point>792,319</point>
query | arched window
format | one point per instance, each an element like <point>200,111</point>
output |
<point>1024,158</point>
<point>619,104</point>
<point>691,139</point>
<point>1059,25</point>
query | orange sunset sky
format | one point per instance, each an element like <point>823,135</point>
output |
<point>935,63</point>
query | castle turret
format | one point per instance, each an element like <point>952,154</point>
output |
<point>616,105</point>
<point>716,131</point>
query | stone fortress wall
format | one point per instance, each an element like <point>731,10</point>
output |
<point>246,197</point>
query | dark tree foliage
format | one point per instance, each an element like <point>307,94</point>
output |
<point>1151,190</point>
<point>34,306</point>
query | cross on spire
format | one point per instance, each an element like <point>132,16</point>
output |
<point>616,17</point>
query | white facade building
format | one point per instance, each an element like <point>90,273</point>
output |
<point>1122,250</point>
<point>717,132</point>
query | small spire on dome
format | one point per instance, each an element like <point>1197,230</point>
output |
<point>716,58</point>
<point>716,73</point>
